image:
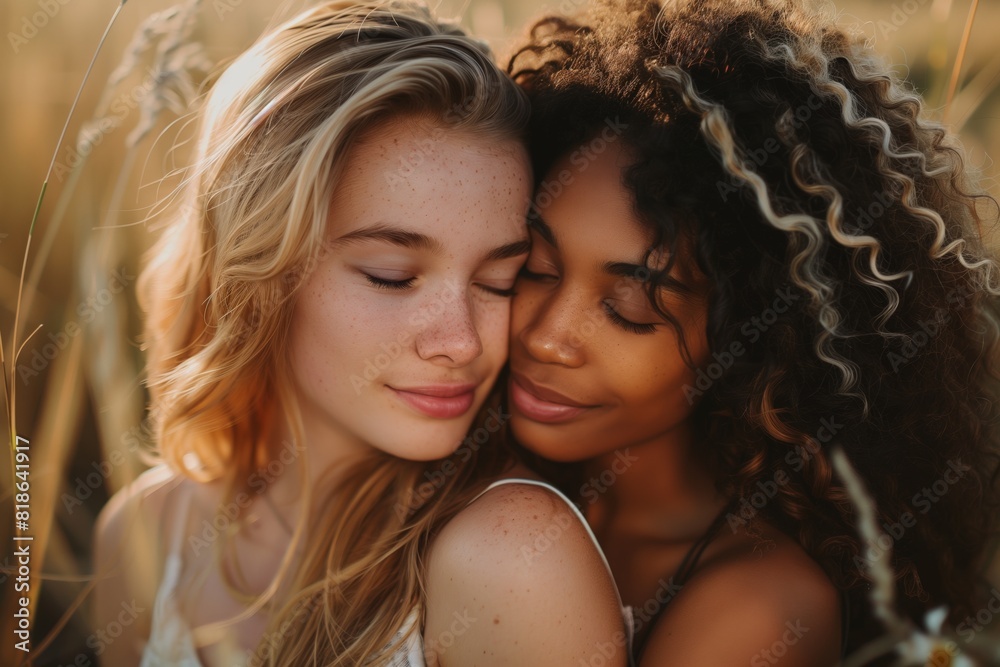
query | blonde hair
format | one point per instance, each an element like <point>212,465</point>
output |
<point>220,283</point>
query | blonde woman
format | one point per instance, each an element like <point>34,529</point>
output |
<point>325,323</point>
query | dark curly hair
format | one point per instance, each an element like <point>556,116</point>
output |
<point>800,165</point>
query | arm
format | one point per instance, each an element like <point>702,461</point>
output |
<point>515,580</point>
<point>751,610</point>
<point>127,559</point>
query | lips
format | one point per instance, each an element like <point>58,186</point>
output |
<point>438,401</point>
<point>542,404</point>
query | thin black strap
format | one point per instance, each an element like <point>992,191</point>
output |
<point>845,622</point>
<point>694,554</point>
<point>686,569</point>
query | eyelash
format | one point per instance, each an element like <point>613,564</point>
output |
<point>398,285</point>
<point>531,275</point>
<point>382,283</point>
<point>627,325</point>
<point>616,319</point>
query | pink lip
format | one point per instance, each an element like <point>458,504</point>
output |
<point>527,399</point>
<point>439,401</point>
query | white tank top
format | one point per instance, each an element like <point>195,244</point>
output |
<point>171,642</point>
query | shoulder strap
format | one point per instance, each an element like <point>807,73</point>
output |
<point>691,558</point>
<point>173,560</point>
<point>845,623</point>
<point>570,504</point>
<point>626,612</point>
<point>178,525</point>
<point>686,569</point>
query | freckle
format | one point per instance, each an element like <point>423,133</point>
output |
<point>496,620</point>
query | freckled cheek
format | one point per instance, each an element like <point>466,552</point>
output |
<point>349,328</point>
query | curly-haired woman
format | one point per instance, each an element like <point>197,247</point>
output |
<point>751,246</point>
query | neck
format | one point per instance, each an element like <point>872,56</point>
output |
<point>654,488</point>
<point>322,449</point>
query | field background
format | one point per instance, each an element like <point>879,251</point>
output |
<point>79,396</point>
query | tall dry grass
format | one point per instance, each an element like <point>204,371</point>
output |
<point>84,407</point>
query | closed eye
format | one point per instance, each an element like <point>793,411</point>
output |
<point>382,283</point>
<point>509,292</point>
<point>531,275</point>
<point>628,325</point>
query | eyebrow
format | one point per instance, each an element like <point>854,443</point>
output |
<point>636,272</point>
<point>628,270</point>
<point>417,241</point>
<point>515,249</point>
<point>625,270</point>
<point>537,222</point>
<point>392,235</point>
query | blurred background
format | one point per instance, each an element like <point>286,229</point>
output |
<point>79,398</point>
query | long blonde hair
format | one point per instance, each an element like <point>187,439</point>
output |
<point>219,289</point>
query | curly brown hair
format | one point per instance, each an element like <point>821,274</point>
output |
<point>801,165</point>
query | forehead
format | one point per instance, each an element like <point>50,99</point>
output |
<point>437,180</point>
<point>593,212</point>
<point>594,220</point>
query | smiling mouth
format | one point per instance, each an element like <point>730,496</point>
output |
<point>438,401</point>
<point>541,404</point>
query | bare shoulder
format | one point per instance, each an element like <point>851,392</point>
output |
<point>128,555</point>
<point>515,578</point>
<point>765,602</point>
<point>137,508</point>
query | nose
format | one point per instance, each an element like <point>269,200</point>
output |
<point>449,335</point>
<point>551,327</point>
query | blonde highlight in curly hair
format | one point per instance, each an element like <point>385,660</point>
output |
<point>798,160</point>
<point>221,282</point>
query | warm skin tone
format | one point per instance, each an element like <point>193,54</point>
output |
<point>415,280</point>
<point>585,335</point>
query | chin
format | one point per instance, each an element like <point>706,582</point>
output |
<point>551,442</point>
<point>429,444</point>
